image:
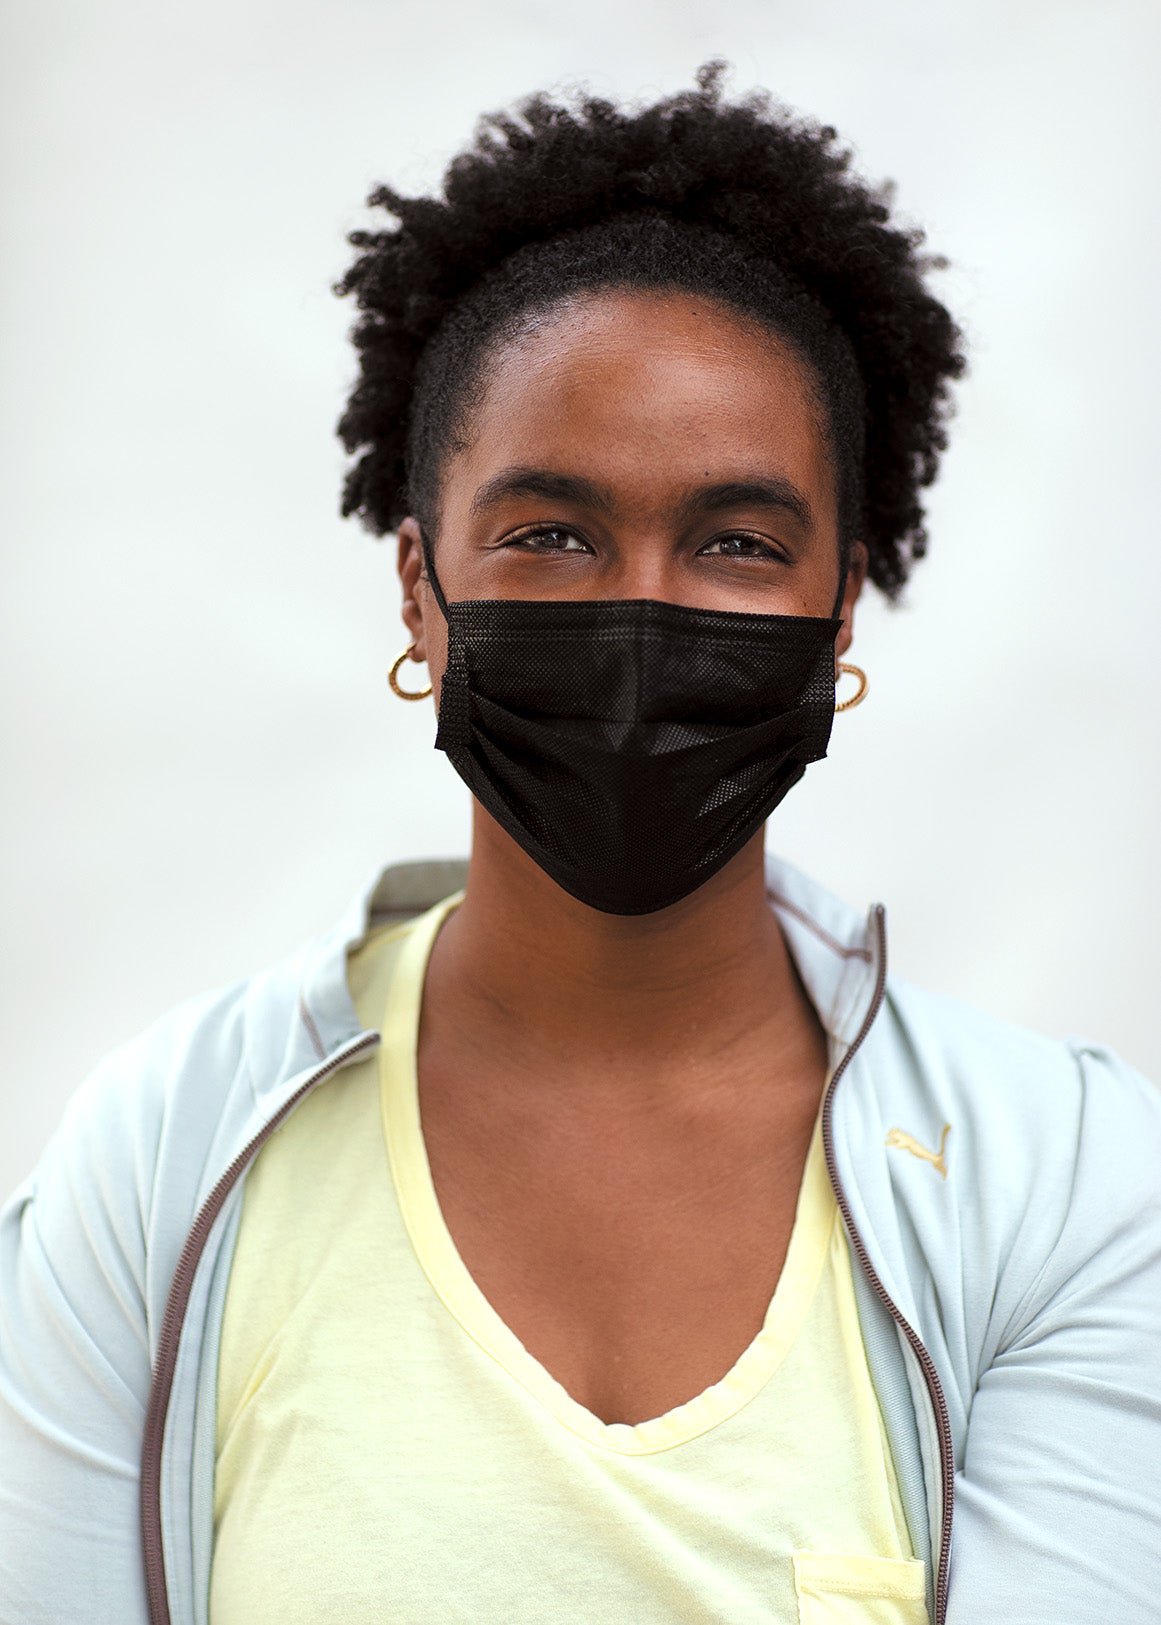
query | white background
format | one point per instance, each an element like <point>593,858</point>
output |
<point>201,758</point>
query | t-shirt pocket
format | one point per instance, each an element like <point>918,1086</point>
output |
<point>838,1590</point>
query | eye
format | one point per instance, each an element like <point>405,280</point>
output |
<point>738,544</point>
<point>549,539</point>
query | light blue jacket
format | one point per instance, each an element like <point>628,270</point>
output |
<point>1009,1289</point>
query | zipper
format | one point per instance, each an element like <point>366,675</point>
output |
<point>926,1364</point>
<point>171,1327</point>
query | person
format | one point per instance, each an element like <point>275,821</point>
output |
<point>594,1229</point>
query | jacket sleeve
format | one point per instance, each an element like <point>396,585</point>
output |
<point>75,1369</point>
<point>1058,1498</point>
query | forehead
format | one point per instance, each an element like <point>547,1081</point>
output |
<point>652,387</point>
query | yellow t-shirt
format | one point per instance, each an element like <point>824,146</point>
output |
<point>388,1450</point>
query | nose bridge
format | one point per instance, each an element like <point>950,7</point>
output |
<point>646,561</point>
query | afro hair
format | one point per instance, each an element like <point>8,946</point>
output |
<point>743,202</point>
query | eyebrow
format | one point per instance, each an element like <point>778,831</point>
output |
<point>540,482</point>
<point>770,491</point>
<point>767,491</point>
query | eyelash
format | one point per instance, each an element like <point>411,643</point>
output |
<point>543,530</point>
<point>562,530</point>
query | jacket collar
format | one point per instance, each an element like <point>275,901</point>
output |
<point>835,949</point>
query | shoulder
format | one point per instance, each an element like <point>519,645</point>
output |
<point>173,1074</point>
<point>147,1132</point>
<point>1052,1152</point>
<point>997,1071</point>
<point>126,1155</point>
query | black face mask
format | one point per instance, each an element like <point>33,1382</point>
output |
<point>631,747</point>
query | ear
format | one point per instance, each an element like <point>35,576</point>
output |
<point>856,577</point>
<point>413,579</point>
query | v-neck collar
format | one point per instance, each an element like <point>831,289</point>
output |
<point>454,1285</point>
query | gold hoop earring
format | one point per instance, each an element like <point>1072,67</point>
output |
<point>406,693</point>
<point>855,699</point>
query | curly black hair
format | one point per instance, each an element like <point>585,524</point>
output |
<point>742,202</point>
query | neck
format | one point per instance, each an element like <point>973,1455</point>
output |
<point>670,996</point>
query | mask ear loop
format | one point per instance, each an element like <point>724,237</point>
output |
<point>452,716</point>
<point>854,671</point>
<point>429,566</point>
<point>836,612</point>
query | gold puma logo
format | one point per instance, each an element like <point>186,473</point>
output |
<point>908,1142</point>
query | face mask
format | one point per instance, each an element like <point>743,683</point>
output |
<point>631,747</point>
